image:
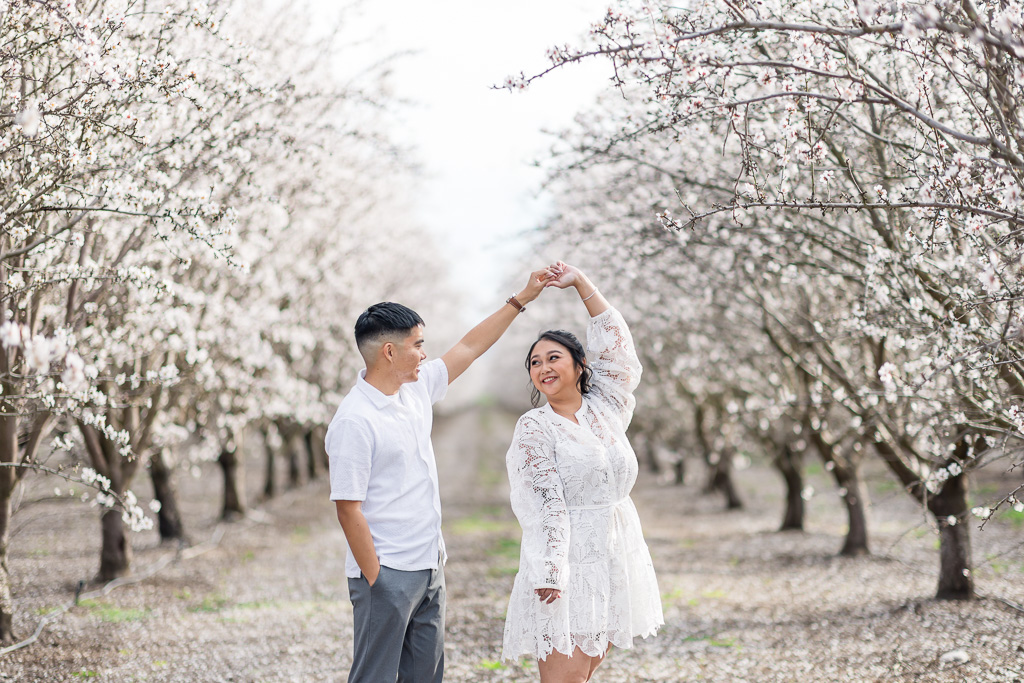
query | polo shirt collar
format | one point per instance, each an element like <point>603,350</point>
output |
<point>377,397</point>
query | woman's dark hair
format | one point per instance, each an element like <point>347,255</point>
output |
<point>579,359</point>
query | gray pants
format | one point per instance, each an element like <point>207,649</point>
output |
<point>399,627</point>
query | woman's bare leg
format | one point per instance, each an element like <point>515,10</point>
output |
<point>559,668</point>
<point>596,662</point>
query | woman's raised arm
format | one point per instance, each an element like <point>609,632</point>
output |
<point>571,276</point>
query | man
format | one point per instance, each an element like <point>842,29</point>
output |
<point>384,484</point>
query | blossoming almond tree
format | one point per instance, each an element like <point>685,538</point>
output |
<point>65,133</point>
<point>139,305</point>
<point>877,149</point>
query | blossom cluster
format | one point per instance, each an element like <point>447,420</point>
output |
<point>188,192</point>
<point>831,204</point>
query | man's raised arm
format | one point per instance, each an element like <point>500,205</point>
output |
<point>483,336</point>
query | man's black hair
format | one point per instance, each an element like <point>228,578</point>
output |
<point>385,319</point>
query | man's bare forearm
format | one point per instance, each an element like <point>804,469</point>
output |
<point>360,541</point>
<point>478,340</point>
<point>483,336</point>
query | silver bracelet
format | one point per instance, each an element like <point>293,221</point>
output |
<point>592,293</point>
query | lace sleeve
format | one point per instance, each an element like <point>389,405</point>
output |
<point>539,504</point>
<point>612,357</point>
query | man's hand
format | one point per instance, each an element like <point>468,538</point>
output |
<point>360,541</point>
<point>373,579</point>
<point>539,279</point>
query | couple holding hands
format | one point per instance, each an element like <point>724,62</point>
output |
<point>585,580</point>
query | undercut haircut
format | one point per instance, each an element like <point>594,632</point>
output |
<point>382,322</point>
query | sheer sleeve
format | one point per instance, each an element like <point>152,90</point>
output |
<point>613,360</point>
<point>538,502</point>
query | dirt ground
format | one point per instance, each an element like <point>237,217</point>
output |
<point>743,603</point>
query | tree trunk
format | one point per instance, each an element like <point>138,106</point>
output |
<point>312,464</point>
<point>270,470</point>
<point>855,499</point>
<point>106,457</point>
<point>234,487</point>
<point>9,453</point>
<point>6,598</point>
<point>721,480</point>
<point>116,553</point>
<point>790,463</point>
<point>651,453</point>
<point>846,473</point>
<point>679,470</point>
<point>956,580</point>
<point>169,518</point>
<point>292,449</point>
<point>320,446</point>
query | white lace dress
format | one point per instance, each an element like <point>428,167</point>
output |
<point>581,533</point>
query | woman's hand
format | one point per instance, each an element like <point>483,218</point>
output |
<point>570,276</point>
<point>539,279</point>
<point>565,275</point>
<point>548,595</point>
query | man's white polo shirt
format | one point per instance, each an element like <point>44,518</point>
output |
<point>380,453</point>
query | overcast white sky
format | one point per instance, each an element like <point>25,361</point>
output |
<point>479,193</point>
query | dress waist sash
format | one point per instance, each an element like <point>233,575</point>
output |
<point>600,506</point>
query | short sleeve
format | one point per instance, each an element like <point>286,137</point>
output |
<point>434,375</point>
<point>349,445</point>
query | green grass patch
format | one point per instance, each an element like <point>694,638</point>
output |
<point>713,640</point>
<point>159,664</point>
<point>507,548</point>
<point>248,556</point>
<point>707,595</point>
<point>491,665</point>
<point>886,486</point>
<point>724,642</point>
<point>985,492</point>
<point>43,611</point>
<point>210,603</point>
<point>671,597</point>
<point>85,673</point>
<point>113,614</point>
<point>499,572</point>
<point>300,534</point>
<point>481,523</point>
<point>998,567</point>
<point>1016,519</point>
<point>39,552</point>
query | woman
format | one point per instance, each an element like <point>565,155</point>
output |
<point>585,580</point>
